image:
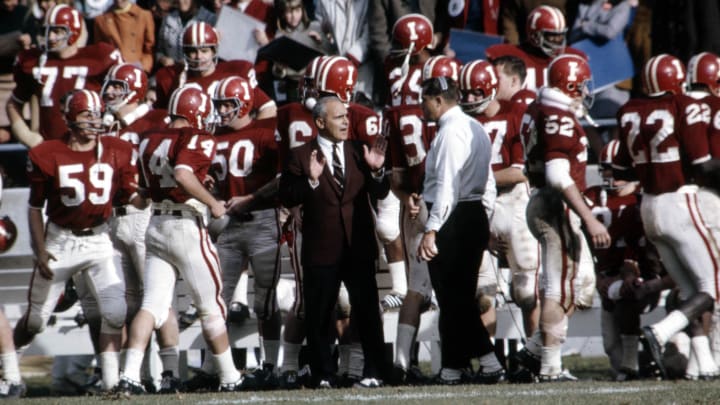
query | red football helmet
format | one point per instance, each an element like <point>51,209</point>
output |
<point>663,73</point>
<point>236,90</point>
<point>8,233</point>
<point>440,66</point>
<point>191,102</point>
<point>199,35</point>
<point>545,29</point>
<point>337,75</point>
<point>570,74</point>
<point>80,101</point>
<point>306,86</point>
<point>411,33</point>
<point>608,152</point>
<point>67,18</point>
<point>134,83</point>
<point>477,79</point>
<point>704,68</point>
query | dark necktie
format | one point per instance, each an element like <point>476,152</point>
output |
<point>337,168</point>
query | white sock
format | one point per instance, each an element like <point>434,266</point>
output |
<point>534,343</point>
<point>169,359</point>
<point>208,365</point>
<point>224,363</point>
<point>110,363</point>
<point>11,369</point>
<point>489,363</point>
<point>398,277</point>
<point>450,374</point>
<point>630,352</point>
<point>701,347</point>
<point>291,356</point>
<point>272,348</point>
<point>357,361</point>
<point>673,323</point>
<point>240,293</point>
<point>693,368</point>
<point>551,363</point>
<point>133,362</point>
<point>404,341</point>
<point>343,359</point>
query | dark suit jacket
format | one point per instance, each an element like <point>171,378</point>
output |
<point>333,219</point>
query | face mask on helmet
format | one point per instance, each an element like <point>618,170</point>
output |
<point>200,42</point>
<point>545,29</point>
<point>478,85</point>
<point>232,98</point>
<point>571,75</point>
<point>63,25</point>
<point>124,84</point>
<point>83,113</point>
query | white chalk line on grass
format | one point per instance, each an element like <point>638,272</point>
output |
<point>388,396</point>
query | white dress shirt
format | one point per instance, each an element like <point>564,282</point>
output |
<point>326,147</point>
<point>457,166</point>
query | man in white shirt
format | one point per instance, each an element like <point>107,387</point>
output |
<point>457,170</point>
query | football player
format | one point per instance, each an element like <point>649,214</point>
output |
<point>629,274</point>
<point>556,155</point>
<point>51,71</point>
<point>658,145</point>
<point>511,72</point>
<point>246,170</point>
<point>412,35</point>
<point>79,177</point>
<point>175,161</point>
<point>479,86</point>
<point>545,30</point>
<point>200,45</point>
<point>124,93</point>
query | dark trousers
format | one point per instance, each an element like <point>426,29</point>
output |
<point>321,285</point>
<point>453,273</point>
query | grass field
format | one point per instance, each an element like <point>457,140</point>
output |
<point>594,387</point>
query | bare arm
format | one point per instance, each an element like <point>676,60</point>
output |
<point>598,233</point>
<point>18,125</point>
<point>509,176</point>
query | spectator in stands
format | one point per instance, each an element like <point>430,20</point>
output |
<point>131,29</point>
<point>169,40</point>
<point>347,24</point>
<point>11,42</point>
<point>91,9</point>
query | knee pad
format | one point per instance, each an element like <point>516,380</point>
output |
<point>114,318</point>
<point>523,289</point>
<point>584,289</point>
<point>159,316</point>
<point>557,330</point>
<point>106,328</point>
<point>387,228</point>
<point>213,326</point>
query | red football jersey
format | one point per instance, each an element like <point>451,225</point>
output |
<point>409,138</point>
<point>714,128</point>
<point>654,141</point>
<point>621,217</point>
<point>551,133</point>
<point>536,62</point>
<point>504,133</point>
<point>246,159</point>
<point>84,70</point>
<point>364,123</point>
<point>168,79</point>
<point>80,187</point>
<point>163,150</point>
<point>410,88</point>
<point>131,129</point>
<point>522,99</point>
<point>295,127</point>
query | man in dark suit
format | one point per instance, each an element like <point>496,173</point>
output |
<point>334,179</point>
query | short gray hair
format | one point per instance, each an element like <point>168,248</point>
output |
<point>320,109</point>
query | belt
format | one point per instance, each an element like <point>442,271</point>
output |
<point>83,232</point>
<point>120,211</point>
<point>175,213</point>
